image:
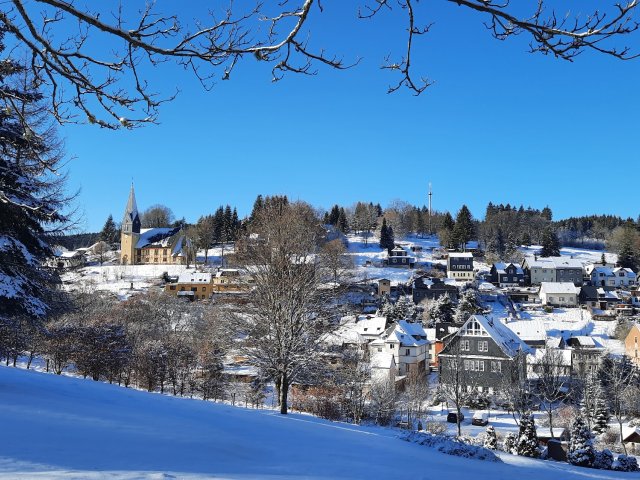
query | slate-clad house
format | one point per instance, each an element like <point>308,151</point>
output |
<point>432,288</point>
<point>552,269</point>
<point>485,349</point>
<point>460,266</point>
<point>507,275</point>
<point>398,257</point>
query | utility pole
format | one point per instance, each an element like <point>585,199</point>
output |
<point>430,233</point>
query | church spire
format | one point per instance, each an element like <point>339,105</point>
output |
<point>131,220</point>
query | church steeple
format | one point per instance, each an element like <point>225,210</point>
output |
<point>131,220</point>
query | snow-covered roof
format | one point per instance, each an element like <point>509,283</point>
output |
<point>552,262</point>
<point>584,341</point>
<point>397,334</point>
<point>502,266</point>
<point>155,236</point>
<point>504,337</point>
<point>558,288</point>
<point>227,272</point>
<point>461,255</point>
<point>413,329</point>
<point>382,360</point>
<point>528,330</point>
<point>194,277</point>
<point>543,432</point>
<point>366,325</point>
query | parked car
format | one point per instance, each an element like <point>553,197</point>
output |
<point>452,417</point>
<point>480,418</point>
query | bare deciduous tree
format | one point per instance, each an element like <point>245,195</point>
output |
<point>157,216</point>
<point>620,382</point>
<point>551,382</point>
<point>95,60</point>
<point>288,311</point>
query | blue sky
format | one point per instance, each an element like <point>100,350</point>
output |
<point>498,125</point>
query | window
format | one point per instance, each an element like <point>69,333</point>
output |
<point>474,365</point>
<point>379,349</point>
<point>483,346</point>
<point>464,345</point>
<point>204,289</point>
<point>407,352</point>
<point>391,345</point>
<point>496,367</point>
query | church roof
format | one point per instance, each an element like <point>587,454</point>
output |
<point>131,211</point>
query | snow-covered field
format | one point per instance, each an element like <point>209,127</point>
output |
<point>67,428</point>
<point>586,256</point>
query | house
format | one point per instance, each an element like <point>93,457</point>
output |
<point>635,297</point>
<point>541,358</point>
<point>631,344</point>
<point>611,277</point>
<point>231,280</point>
<point>460,266</point>
<point>408,343</point>
<point>398,257</point>
<point>559,294</point>
<point>384,287</point>
<point>165,246</point>
<point>432,288</point>
<point>506,275</point>
<point>383,368</point>
<point>586,355</point>
<point>552,269</point>
<point>68,260</point>
<point>598,298</point>
<point>192,285</point>
<point>483,351</point>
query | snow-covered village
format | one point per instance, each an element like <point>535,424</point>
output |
<point>319,240</point>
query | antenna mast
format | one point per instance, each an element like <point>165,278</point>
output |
<point>430,208</point>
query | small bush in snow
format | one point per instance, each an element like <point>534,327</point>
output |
<point>509,445</point>
<point>490,438</point>
<point>451,446</point>
<point>436,428</point>
<point>603,459</point>
<point>625,463</point>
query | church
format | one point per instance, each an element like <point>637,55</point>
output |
<point>141,246</point>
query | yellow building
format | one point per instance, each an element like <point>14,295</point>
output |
<point>138,246</point>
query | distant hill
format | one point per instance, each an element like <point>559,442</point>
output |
<point>78,240</point>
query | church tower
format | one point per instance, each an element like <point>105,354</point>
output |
<point>130,231</point>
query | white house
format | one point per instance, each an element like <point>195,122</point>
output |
<point>559,294</point>
<point>408,344</point>
<point>383,368</point>
<point>603,276</point>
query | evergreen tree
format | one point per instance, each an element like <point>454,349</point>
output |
<point>601,415</point>
<point>31,198</point>
<point>464,229</point>
<point>550,243</point>
<point>527,445</point>
<point>490,438</point>
<point>109,232</point>
<point>467,306</point>
<point>258,205</point>
<point>546,213</point>
<point>386,238</point>
<point>603,259</point>
<point>525,239</point>
<point>581,451</point>
<point>343,226</point>
<point>445,233</point>
<point>440,310</point>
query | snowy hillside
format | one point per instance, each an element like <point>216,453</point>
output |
<point>63,428</point>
